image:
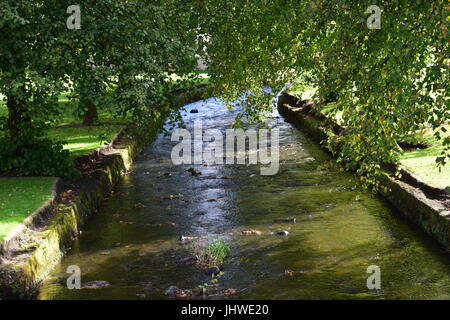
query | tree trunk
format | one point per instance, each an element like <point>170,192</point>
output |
<point>91,114</point>
<point>18,122</point>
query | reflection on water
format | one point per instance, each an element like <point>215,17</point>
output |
<point>133,240</point>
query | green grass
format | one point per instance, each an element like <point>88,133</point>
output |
<point>420,162</point>
<point>423,162</point>
<point>19,197</point>
<point>82,140</point>
<point>218,252</point>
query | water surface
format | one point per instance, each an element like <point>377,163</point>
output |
<point>132,242</point>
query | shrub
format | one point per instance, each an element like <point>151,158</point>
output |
<point>42,157</point>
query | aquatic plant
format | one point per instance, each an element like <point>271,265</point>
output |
<point>214,254</point>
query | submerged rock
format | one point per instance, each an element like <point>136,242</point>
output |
<point>194,171</point>
<point>292,220</point>
<point>95,285</point>
<point>188,260</point>
<point>171,291</point>
<point>288,273</point>
<point>229,292</point>
<point>183,238</point>
<point>213,271</point>
<point>175,292</point>
<point>199,213</point>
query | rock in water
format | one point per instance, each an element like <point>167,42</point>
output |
<point>188,260</point>
<point>174,292</point>
<point>183,238</point>
<point>171,291</point>
<point>212,271</point>
<point>95,285</point>
<point>282,233</point>
<point>292,220</point>
<point>194,171</point>
<point>194,111</point>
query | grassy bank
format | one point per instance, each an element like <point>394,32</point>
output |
<point>420,162</point>
<point>19,197</point>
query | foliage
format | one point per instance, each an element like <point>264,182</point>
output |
<point>213,255</point>
<point>121,58</point>
<point>41,157</point>
<point>219,251</point>
<point>387,82</point>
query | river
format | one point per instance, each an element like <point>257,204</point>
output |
<point>133,240</point>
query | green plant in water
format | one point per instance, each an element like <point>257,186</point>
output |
<point>218,251</point>
<point>213,283</point>
<point>213,255</point>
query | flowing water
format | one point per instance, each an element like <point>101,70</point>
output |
<point>133,240</point>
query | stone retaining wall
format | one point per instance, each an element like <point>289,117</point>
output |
<point>31,252</point>
<point>429,214</point>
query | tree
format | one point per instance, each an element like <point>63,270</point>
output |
<point>388,82</point>
<point>120,54</point>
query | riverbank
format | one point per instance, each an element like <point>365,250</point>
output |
<point>425,205</point>
<point>335,230</point>
<point>33,248</point>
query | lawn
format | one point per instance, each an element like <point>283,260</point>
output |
<point>420,162</point>
<point>423,162</point>
<point>19,197</point>
<point>80,140</point>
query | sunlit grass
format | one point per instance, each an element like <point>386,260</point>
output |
<point>423,162</point>
<point>82,140</point>
<point>420,162</point>
<point>19,197</point>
